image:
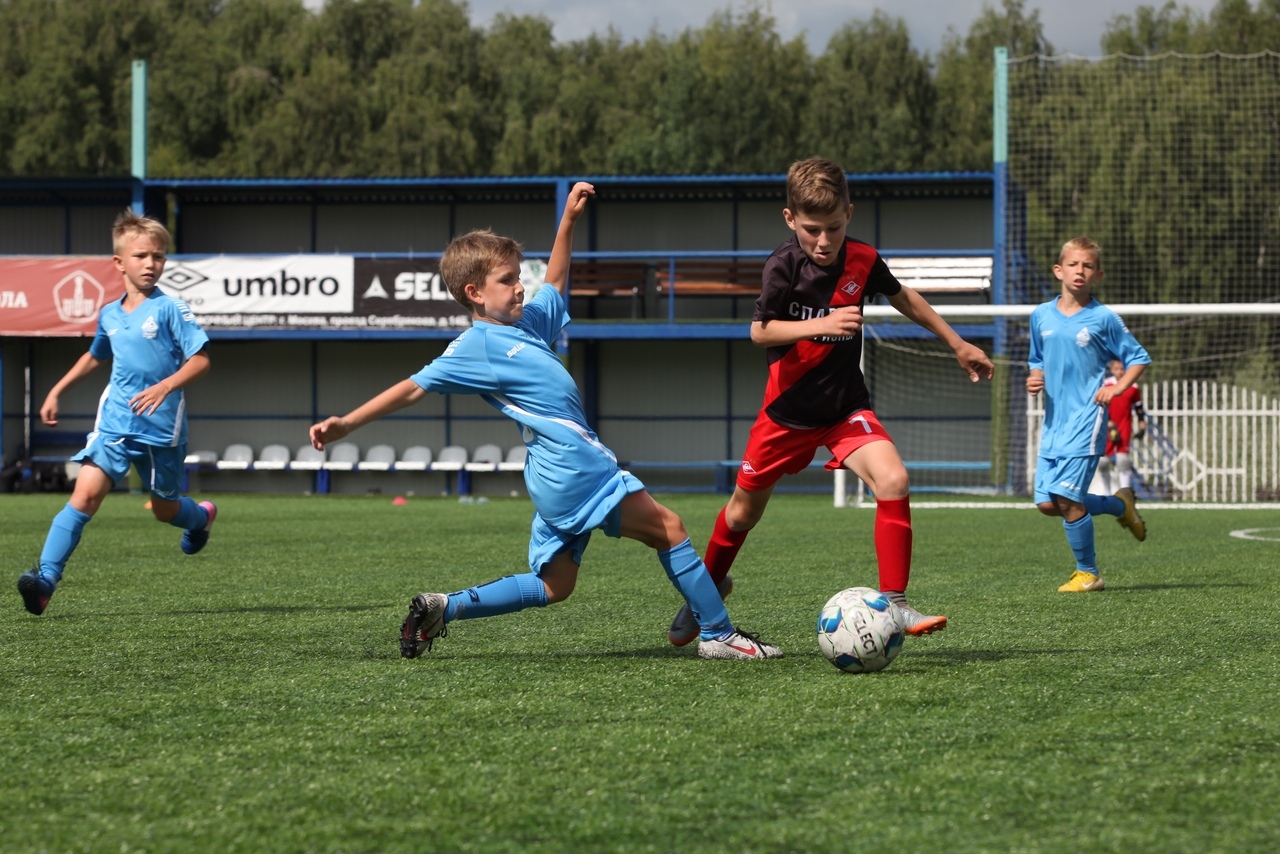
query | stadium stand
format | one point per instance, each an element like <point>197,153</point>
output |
<point>344,456</point>
<point>237,457</point>
<point>415,458</point>
<point>515,459</point>
<point>451,458</point>
<point>272,458</point>
<point>378,458</point>
<point>486,458</point>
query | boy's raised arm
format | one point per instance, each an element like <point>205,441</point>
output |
<point>562,252</point>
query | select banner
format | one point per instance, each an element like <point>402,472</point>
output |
<point>62,295</point>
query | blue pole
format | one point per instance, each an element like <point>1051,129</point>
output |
<point>139,136</point>
<point>562,198</point>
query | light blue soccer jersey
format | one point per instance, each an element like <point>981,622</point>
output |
<point>145,346</point>
<point>515,370</point>
<point>1073,352</point>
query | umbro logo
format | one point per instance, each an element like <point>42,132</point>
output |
<point>178,278</point>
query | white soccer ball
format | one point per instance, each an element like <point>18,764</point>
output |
<point>860,630</point>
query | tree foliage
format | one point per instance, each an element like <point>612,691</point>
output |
<point>249,88</point>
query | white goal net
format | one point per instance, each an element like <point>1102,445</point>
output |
<point>1213,420</point>
<point>1170,162</point>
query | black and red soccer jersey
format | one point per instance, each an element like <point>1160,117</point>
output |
<point>816,383</point>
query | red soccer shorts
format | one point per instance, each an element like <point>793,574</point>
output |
<point>774,450</point>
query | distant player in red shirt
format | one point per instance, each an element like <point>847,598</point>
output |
<point>1120,416</point>
<point>809,318</point>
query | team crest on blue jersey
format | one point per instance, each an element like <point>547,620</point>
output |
<point>150,328</point>
<point>1082,337</point>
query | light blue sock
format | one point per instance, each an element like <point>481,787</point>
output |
<point>191,516</point>
<point>690,576</point>
<point>61,541</point>
<point>1080,538</point>
<point>504,595</point>
<point>1103,505</point>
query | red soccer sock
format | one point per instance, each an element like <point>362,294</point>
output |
<point>893,542</point>
<point>722,549</point>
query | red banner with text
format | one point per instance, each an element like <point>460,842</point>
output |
<point>55,295</point>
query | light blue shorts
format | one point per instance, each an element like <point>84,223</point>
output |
<point>1068,477</point>
<point>545,542</point>
<point>160,468</point>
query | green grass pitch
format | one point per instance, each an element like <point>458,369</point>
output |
<point>252,698</point>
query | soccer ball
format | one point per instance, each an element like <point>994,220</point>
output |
<point>860,630</point>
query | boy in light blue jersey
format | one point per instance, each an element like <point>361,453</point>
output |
<point>1073,337</point>
<point>507,358</point>
<point>156,348</point>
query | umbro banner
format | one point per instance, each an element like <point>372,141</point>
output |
<point>61,295</point>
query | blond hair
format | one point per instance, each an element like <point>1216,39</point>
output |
<point>816,186</point>
<point>130,226</point>
<point>470,259</point>
<point>1084,244</point>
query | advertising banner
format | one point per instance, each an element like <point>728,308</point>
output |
<point>55,296</point>
<point>61,295</point>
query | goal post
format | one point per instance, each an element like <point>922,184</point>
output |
<point>1212,396</point>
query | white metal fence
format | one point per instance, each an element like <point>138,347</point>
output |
<point>1206,441</point>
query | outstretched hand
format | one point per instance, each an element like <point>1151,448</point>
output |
<point>49,410</point>
<point>974,362</point>
<point>329,430</point>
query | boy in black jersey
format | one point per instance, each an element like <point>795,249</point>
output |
<point>809,317</point>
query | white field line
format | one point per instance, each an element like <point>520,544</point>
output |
<point>1144,507</point>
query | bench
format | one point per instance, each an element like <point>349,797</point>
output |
<point>714,277</point>
<point>944,275</point>
<point>740,277</point>
<point>610,278</point>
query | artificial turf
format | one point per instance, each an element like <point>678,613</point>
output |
<point>252,697</point>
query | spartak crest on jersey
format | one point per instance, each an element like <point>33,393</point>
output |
<point>852,288</point>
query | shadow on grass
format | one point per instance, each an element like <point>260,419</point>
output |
<point>393,651</point>
<point>273,609</point>
<point>964,656</point>
<point>1175,586</point>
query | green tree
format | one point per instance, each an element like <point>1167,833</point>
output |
<point>266,40</point>
<point>313,130</point>
<point>962,126</point>
<point>1233,26</point>
<point>71,105</point>
<point>727,99</point>
<point>1149,31</point>
<point>428,104</point>
<point>521,54</point>
<point>876,98</point>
